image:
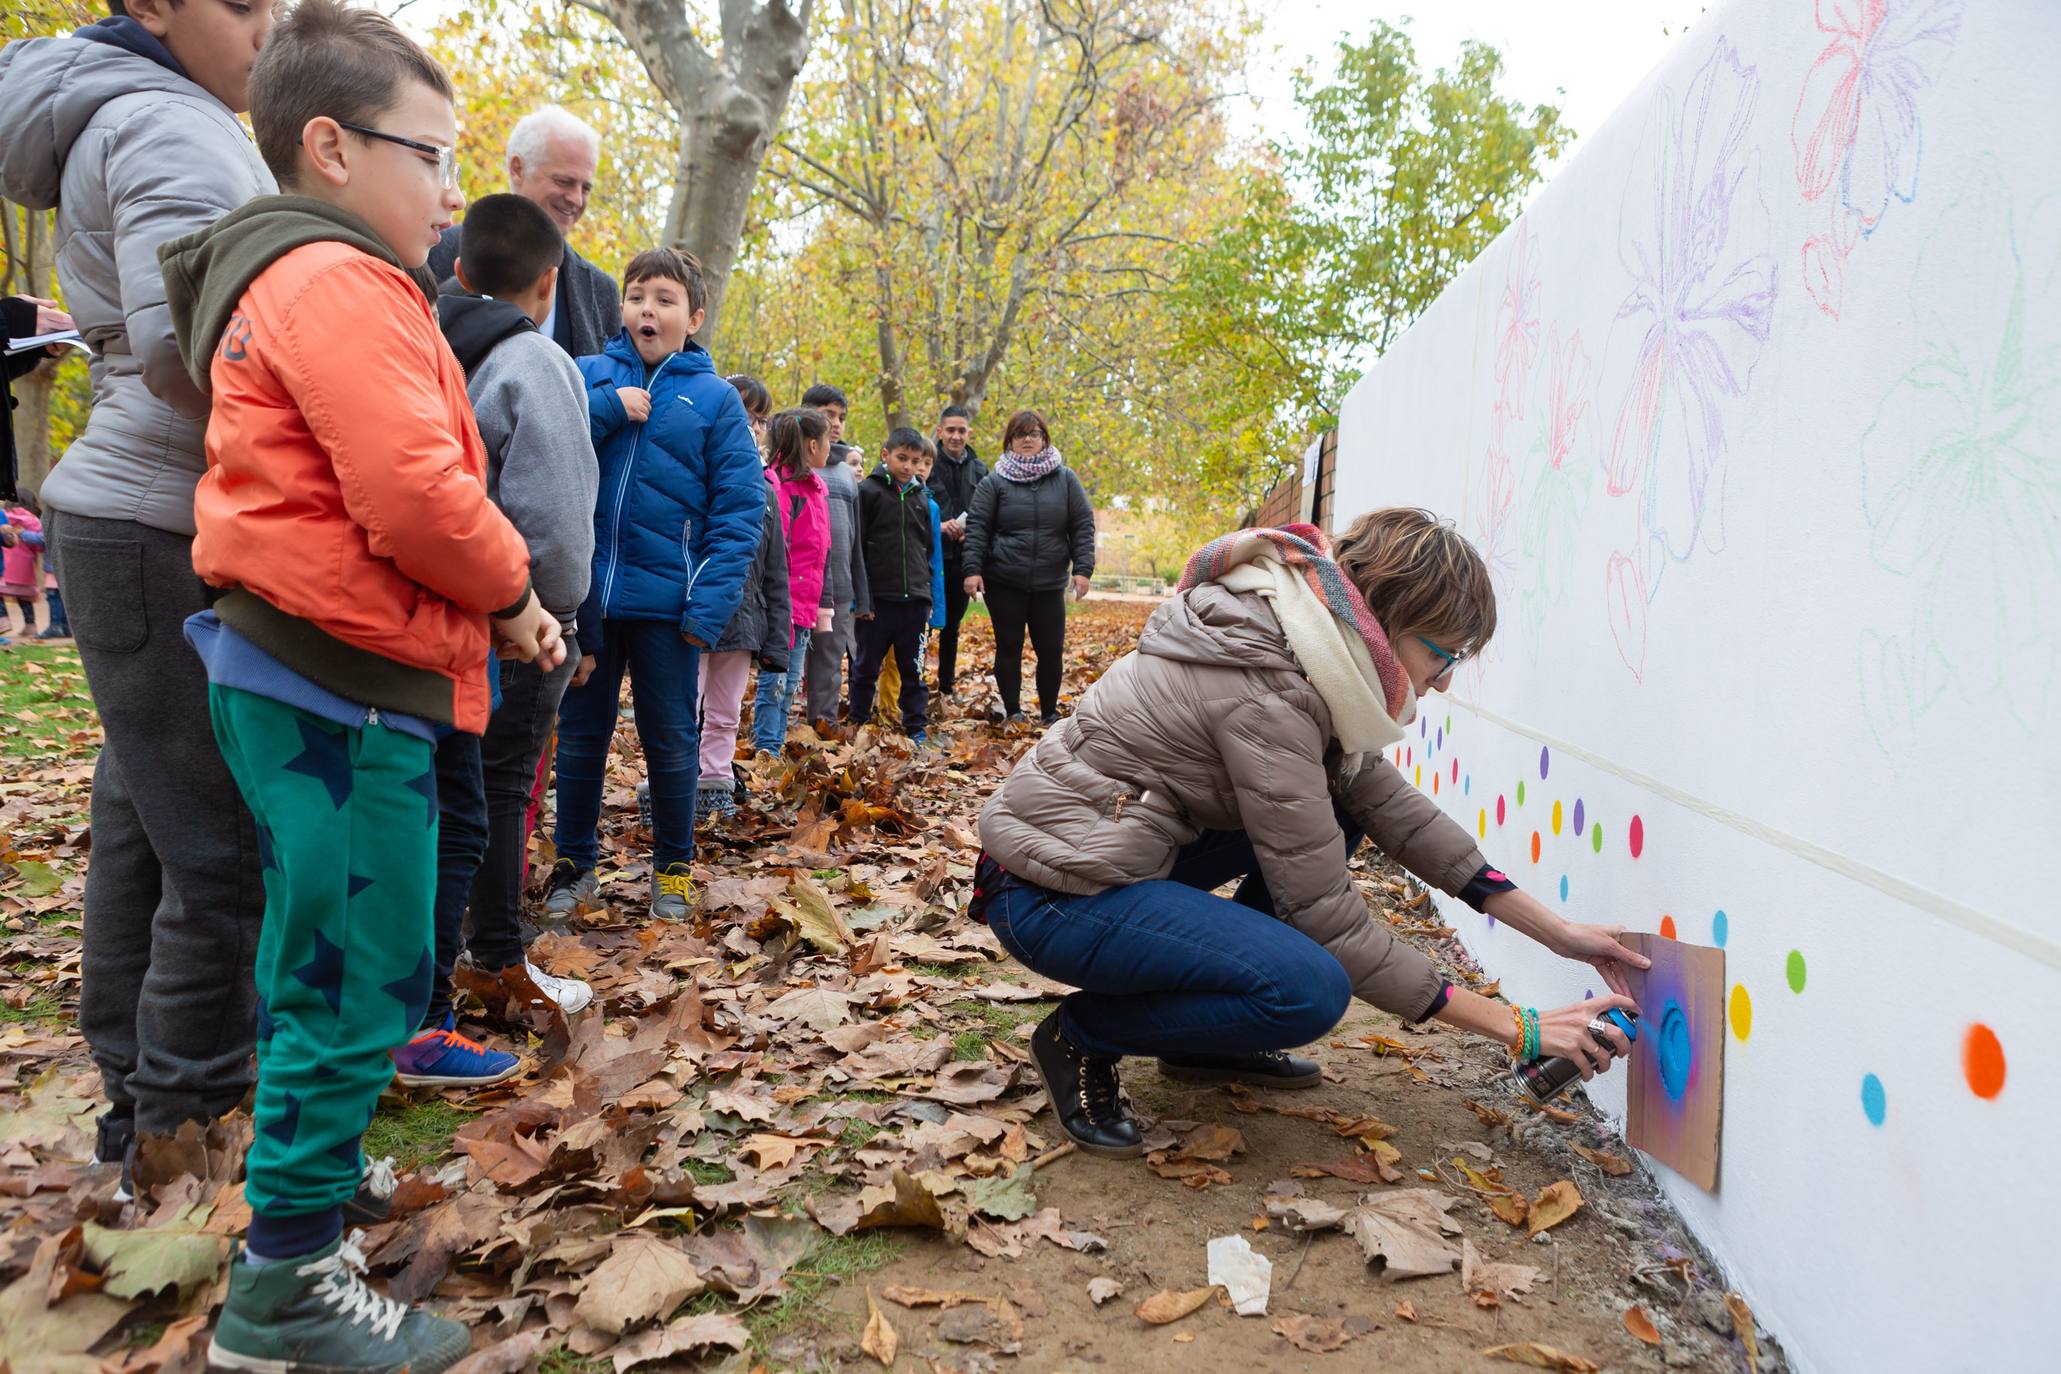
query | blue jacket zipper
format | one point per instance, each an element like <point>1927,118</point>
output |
<point>622,491</point>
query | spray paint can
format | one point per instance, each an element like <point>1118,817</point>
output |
<point>1546,1079</point>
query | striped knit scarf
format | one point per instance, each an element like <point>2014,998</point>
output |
<point>1328,624</point>
<point>1017,469</point>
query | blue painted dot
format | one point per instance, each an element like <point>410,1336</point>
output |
<point>1545,759</point>
<point>1874,1102</point>
<point>1467,784</point>
<point>1719,929</point>
<point>1441,738</point>
<point>1563,887</point>
<point>1423,726</point>
<point>1674,1050</point>
<point>1578,826</point>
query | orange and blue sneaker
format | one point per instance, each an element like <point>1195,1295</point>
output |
<point>442,1058</point>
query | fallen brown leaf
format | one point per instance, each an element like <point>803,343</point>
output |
<point>1615,1165</point>
<point>1317,1335</point>
<point>1640,1325</point>
<point>1555,1203</point>
<point>1406,1310</point>
<point>1542,1357</point>
<point>643,1278</point>
<point>1169,1305</point>
<point>879,1339</point>
<point>677,1337</point>
<point>1496,1280</point>
<point>1742,1318</point>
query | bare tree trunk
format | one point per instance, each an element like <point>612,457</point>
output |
<point>730,105</point>
<point>30,267</point>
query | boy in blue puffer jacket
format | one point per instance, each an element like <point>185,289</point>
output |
<point>676,526</point>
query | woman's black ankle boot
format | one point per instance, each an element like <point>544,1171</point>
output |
<point>1085,1095</point>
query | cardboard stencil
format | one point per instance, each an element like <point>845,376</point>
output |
<point>1676,1094</point>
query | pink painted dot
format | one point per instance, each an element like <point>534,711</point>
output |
<point>1499,810</point>
<point>1456,771</point>
<point>1638,836</point>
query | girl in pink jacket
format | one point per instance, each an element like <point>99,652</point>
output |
<point>798,443</point>
<point>21,572</point>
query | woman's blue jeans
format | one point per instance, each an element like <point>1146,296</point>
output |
<point>1166,968</point>
<point>776,694</point>
<point>662,667</point>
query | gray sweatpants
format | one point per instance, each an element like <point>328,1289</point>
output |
<point>825,677</point>
<point>174,893</point>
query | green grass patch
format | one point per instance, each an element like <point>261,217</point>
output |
<point>937,970</point>
<point>1003,1017</point>
<point>45,1010</point>
<point>968,1046</point>
<point>559,1360</point>
<point>416,1134</point>
<point>856,1133</point>
<point>707,1170</point>
<point>835,1260</point>
<point>47,681</point>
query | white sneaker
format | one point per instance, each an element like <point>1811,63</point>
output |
<point>571,994</point>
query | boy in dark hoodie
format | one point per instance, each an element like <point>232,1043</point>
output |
<point>367,577</point>
<point>898,539</point>
<point>532,412</point>
<point>128,130</point>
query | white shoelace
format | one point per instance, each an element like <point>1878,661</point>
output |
<point>343,1288</point>
<point>380,1178</point>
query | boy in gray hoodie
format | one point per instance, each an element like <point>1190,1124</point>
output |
<point>532,413</point>
<point>128,130</point>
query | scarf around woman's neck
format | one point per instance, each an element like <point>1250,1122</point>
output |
<point>1333,633</point>
<point>1028,469</point>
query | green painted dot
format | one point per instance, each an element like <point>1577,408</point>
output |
<point>1596,837</point>
<point>1449,725</point>
<point>1520,791</point>
<point>1796,970</point>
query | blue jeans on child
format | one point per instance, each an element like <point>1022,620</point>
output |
<point>1166,968</point>
<point>662,667</point>
<point>776,695</point>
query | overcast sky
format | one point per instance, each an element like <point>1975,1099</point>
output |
<point>1584,56</point>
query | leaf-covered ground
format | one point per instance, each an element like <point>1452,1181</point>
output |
<point>800,1131</point>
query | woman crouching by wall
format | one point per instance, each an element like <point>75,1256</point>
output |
<point>1242,740</point>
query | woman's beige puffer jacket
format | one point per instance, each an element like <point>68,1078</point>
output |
<point>1210,725</point>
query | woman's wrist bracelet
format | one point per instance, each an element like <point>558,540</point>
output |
<point>1517,1041</point>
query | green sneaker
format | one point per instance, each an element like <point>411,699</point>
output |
<point>316,1316</point>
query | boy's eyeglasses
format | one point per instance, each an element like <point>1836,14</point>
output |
<point>1451,660</point>
<point>446,159</point>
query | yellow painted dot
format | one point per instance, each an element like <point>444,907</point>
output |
<point>1556,818</point>
<point>1742,1011</point>
<point>1481,825</point>
<point>1420,775</point>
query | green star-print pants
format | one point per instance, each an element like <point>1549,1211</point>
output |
<point>347,833</point>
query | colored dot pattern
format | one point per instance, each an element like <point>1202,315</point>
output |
<point>1596,837</point>
<point>1742,1011</point>
<point>1982,1060</point>
<point>1520,791</point>
<point>1563,887</point>
<point>1638,836</point>
<point>1545,761</point>
<point>1720,927</point>
<point>1578,826</point>
<point>1481,825</point>
<point>1667,927</point>
<point>1556,818</point>
<point>1795,970</point>
<point>1534,846</point>
<point>1874,1102</point>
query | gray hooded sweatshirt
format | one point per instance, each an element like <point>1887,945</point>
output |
<point>130,154</point>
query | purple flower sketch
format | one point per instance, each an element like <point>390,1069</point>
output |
<point>1694,234</point>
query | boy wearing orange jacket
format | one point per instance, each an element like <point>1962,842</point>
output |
<point>345,509</point>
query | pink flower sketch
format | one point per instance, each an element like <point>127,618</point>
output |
<point>1517,325</point>
<point>1567,397</point>
<point>1855,131</point>
<point>1695,236</point>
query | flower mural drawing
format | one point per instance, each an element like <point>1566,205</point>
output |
<point>1559,495</point>
<point>1961,474</point>
<point>1695,236</point>
<point>1856,132</point>
<point>1517,346</point>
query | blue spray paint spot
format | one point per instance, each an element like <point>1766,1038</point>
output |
<point>1578,826</point>
<point>1874,1102</point>
<point>1674,1050</point>
<point>1720,927</point>
<point>1467,785</point>
<point>1563,887</point>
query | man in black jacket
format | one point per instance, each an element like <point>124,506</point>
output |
<point>959,470</point>
<point>552,157</point>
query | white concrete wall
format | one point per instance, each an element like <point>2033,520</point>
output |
<point>1757,417</point>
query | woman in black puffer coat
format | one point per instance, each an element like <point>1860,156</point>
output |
<point>1030,534</point>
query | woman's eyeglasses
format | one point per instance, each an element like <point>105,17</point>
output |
<point>1450,660</point>
<point>446,159</point>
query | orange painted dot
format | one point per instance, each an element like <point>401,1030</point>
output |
<point>1481,825</point>
<point>1742,1011</point>
<point>1982,1059</point>
<point>1434,784</point>
<point>1556,818</point>
<point>1667,927</point>
<point>1534,846</point>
